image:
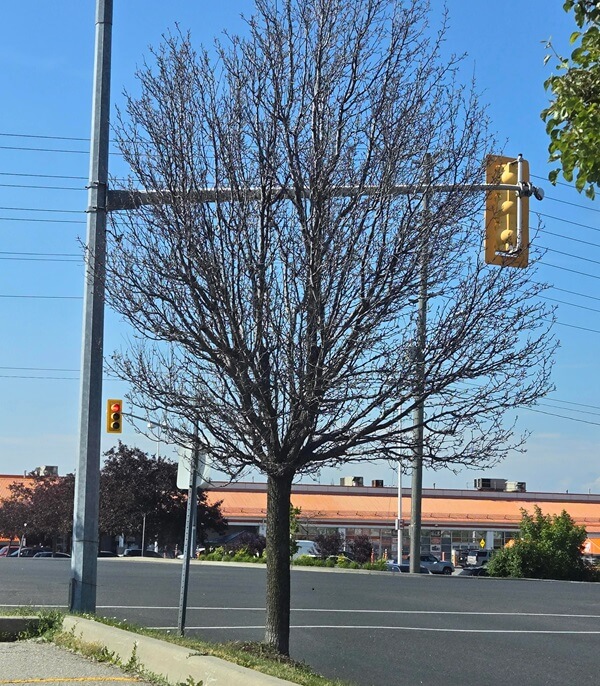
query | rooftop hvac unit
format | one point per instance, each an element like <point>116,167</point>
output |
<point>351,481</point>
<point>47,470</point>
<point>516,486</point>
<point>490,484</point>
<point>377,483</point>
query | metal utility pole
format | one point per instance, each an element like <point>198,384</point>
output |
<point>82,592</point>
<point>400,521</point>
<point>419,411</point>
<point>189,544</point>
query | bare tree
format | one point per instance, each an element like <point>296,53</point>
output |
<point>284,318</point>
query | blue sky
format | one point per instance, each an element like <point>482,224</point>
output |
<point>46,56</point>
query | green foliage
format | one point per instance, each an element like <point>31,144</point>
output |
<point>294,528</point>
<point>248,543</point>
<point>134,484</point>
<point>309,561</point>
<point>377,566</point>
<point>548,547</point>
<point>573,115</point>
<point>45,505</point>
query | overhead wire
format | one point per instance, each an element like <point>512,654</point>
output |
<point>566,254</point>
<point>44,137</point>
<point>45,176</point>
<point>561,416</point>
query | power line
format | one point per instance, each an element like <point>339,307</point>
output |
<point>45,188</point>
<point>569,221</point>
<point>572,204</point>
<point>564,290</point>
<point>42,254</point>
<point>556,183</point>
<point>23,376</point>
<point>45,176</point>
<point>566,269</point>
<point>562,416</point>
<point>563,302</point>
<point>42,259</point>
<point>40,209</point>
<point>46,138</point>
<point>40,369</point>
<point>568,409</point>
<point>24,149</point>
<point>57,150</point>
<point>41,221</point>
<point>571,402</point>
<point>567,254</point>
<point>574,326</point>
<point>570,238</point>
<point>43,297</point>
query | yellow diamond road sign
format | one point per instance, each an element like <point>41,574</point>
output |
<point>482,543</point>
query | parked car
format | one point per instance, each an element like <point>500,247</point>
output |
<point>6,550</point>
<point>137,552</point>
<point>107,553</point>
<point>305,548</point>
<point>435,565</point>
<point>476,558</point>
<point>474,571</point>
<point>404,568</point>
<point>27,552</point>
<point>49,553</point>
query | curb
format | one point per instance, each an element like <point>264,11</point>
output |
<point>177,664</point>
<point>11,627</point>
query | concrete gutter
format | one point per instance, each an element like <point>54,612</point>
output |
<point>174,663</point>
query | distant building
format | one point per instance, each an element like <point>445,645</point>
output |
<point>451,519</point>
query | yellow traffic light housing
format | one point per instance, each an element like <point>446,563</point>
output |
<point>114,416</point>
<point>507,211</point>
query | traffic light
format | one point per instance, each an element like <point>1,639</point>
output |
<point>114,416</point>
<point>507,212</point>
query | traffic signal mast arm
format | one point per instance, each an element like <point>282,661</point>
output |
<point>506,210</point>
<point>131,200</point>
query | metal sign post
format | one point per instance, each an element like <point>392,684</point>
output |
<point>190,534</point>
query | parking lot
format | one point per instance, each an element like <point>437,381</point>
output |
<point>367,628</point>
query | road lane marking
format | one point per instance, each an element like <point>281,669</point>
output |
<point>345,611</point>
<point>384,628</point>
<point>61,679</point>
<point>203,608</point>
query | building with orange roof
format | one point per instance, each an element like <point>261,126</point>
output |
<point>8,479</point>
<point>451,519</point>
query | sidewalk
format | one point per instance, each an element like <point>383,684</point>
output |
<point>32,662</point>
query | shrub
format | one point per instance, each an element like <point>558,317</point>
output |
<point>548,547</point>
<point>328,544</point>
<point>309,561</point>
<point>361,548</point>
<point>378,565</point>
<point>251,543</point>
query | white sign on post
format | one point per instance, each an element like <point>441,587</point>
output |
<point>184,469</point>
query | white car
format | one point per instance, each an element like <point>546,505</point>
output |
<point>435,565</point>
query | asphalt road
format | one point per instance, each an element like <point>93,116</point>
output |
<point>367,628</point>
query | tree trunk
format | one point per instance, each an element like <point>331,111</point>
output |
<point>277,630</point>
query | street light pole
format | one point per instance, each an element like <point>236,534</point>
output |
<point>82,595</point>
<point>419,411</point>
